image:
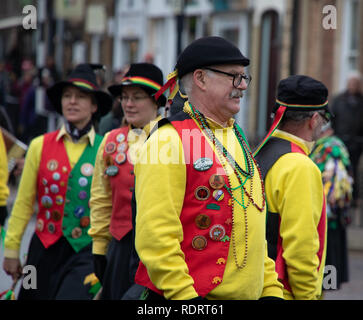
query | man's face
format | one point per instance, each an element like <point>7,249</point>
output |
<point>224,97</point>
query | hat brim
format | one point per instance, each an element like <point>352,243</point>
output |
<point>104,100</point>
<point>116,90</point>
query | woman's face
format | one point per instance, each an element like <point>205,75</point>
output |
<point>77,106</point>
<point>139,108</point>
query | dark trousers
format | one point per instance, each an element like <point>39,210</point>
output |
<point>122,262</point>
<point>60,271</point>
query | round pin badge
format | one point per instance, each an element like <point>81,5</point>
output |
<point>199,242</point>
<point>51,227</point>
<point>82,195</point>
<point>110,147</point>
<point>120,137</point>
<point>52,165</point>
<point>216,181</point>
<point>202,221</point>
<point>122,147</point>
<point>76,232</point>
<point>79,211</point>
<point>56,176</point>
<point>203,164</point>
<point>56,215</point>
<point>217,232</point>
<point>46,201</point>
<point>84,222</point>
<point>64,169</point>
<point>44,181</point>
<point>218,195</point>
<point>111,171</point>
<point>120,158</point>
<point>59,200</point>
<point>202,193</point>
<point>82,181</point>
<point>87,169</point>
<point>40,225</point>
<point>54,188</point>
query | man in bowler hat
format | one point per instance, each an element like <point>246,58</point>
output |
<point>57,176</point>
<point>200,221</point>
<point>296,217</point>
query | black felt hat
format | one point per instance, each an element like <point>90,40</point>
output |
<point>203,52</point>
<point>302,93</point>
<point>144,75</point>
<point>297,93</point>
<point>82,77</point>
<point>209,51</point>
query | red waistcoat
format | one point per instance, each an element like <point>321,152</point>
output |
<point>122,184</point>
<point>206,265</point>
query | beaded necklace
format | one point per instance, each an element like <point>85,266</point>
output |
<point>249,164</point>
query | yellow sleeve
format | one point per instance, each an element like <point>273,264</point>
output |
<point>101,205</point>
<point>294,189</point>
<point>24,204</point>
<point>160,186</point>
<point>271,286</point>
<point>4,190</point>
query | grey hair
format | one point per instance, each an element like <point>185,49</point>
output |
<point>297,116</point>
<point>186,83</point>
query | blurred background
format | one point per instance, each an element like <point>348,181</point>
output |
<point>319,38</point>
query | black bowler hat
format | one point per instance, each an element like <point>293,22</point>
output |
<point>82,77</point>
<point>201,53</point>
<point>144,75</point>
<point>298,93</point>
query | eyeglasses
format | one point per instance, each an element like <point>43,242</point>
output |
<point>136,99</point>
<point>237,78</point>
<point>325,115</point>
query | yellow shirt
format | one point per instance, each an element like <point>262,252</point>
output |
<point>294,189</point>
<point>160,187</point>
<point>24,204</point>
<point>101,194</point>
<point>4,190</point>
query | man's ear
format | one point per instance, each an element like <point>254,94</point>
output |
<point>199,78</point>
<point>314,121</point>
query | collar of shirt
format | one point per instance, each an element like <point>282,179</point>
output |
<point>213,124</point>
<point>90,135</point>
<point>307,146</point>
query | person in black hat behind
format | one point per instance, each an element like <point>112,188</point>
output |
<point>200,218</point>
<point>111,219</point>
<point>296,218</point>
<point>58,173</point>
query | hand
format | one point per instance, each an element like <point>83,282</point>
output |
<point>13,268</point>
<point>99,263</point>
<point>18,167</point>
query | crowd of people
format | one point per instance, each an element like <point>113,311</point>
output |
<point>146,205</point>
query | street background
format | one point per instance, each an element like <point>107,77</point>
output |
<point>42,40</point>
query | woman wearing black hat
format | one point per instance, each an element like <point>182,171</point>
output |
<point>58,173</point>
<point>112,187</point>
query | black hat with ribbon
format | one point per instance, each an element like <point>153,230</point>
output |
<point>144,75</point>
<point>203,52</point>
<point>298,93</point>
<point>84,78</point>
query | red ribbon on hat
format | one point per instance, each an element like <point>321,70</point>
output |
<point>278,116</point>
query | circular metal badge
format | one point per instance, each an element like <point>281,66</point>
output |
<point>87,169</point>
<point>218,195</point>
<point>76,232</point>
<point>110,147</point>
<point>202,221</point>
<point>52,165</point>
<point>111,171</point>
<point>216,181</point>
<point>217,232</point>
<point>202,193</point>
<point>199,242</point>
<point>84,222</point>
<point>120,158</point>
<point>120,137</point>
